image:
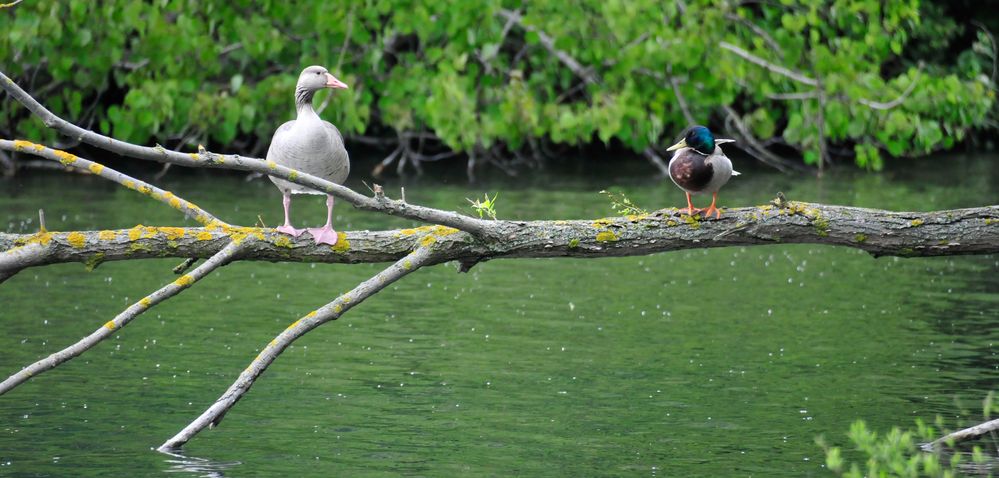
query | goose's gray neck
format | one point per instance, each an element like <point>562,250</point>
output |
<point>303,101</point>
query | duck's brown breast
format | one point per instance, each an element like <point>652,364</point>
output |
<point>691,171</point>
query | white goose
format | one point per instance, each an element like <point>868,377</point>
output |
<point>312,146</point>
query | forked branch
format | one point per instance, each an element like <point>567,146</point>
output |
<point>331,311</point>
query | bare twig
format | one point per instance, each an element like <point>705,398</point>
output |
<point>11,4</point>
<point>548,42</point>
<point>760,32</point>
<point>679,99</point>
<point>796,76</point>
<point>71,160</point>
<point>798,95</point>
<point>755,148</point>
<point>995,50</point>
<point>331,311</point>
<point>898,100</point>
<point>184,266</point>
<point>656,160</point>
<point>221,258</point>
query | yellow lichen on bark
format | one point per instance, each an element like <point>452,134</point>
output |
<point>76,239</point>
<point>96,168</point>
<point>342,245</point>
<point>173,233</point>
<point>64,157</point>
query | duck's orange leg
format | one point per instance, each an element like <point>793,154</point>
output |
<point>690,207</point>
<point>712,209</point>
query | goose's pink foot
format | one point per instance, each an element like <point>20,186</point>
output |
<point>291,231</point>
<point>324,235</point>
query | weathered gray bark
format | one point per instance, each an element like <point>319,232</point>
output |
<point>908,234</point>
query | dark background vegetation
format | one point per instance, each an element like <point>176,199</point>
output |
<point>512,83</point>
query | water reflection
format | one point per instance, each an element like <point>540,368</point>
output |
<point>201,467</point>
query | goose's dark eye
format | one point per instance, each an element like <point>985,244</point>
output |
<point>318,73</point>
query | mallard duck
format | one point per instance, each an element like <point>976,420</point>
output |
<point>312,146</point>
<point>699,166</point>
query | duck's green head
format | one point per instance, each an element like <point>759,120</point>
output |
<point>698,138</point>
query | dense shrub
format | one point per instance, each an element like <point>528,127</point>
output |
<point>223,72</point>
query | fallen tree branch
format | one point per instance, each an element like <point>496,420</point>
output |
<point>331,311</point>
<point>966,434</point>
<point>881,233</point>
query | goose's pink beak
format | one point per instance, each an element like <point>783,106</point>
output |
<point>332,82</point>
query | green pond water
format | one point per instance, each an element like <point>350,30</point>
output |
<point>721,362</point>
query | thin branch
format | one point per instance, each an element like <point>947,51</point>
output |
<point>759,32</point>
<point>548,42</point>
<point>995,50</point>
<point>331,311</point>
<point>221,258</point>
<point>796,76</point>
<point>966,434</point>
<point>798,95</point>
<point>757,149</point>
<point>656,160</point>
<point>897,101</point>
<point>76,162</point>
<point>679,99</point>
<point>204,158</point>
<point>11,4</point>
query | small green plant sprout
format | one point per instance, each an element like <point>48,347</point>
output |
<point>485,207</point>
<point>622,205</point>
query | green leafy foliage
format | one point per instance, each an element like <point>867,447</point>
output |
<point>223,72</point>
<point>622,205</point>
